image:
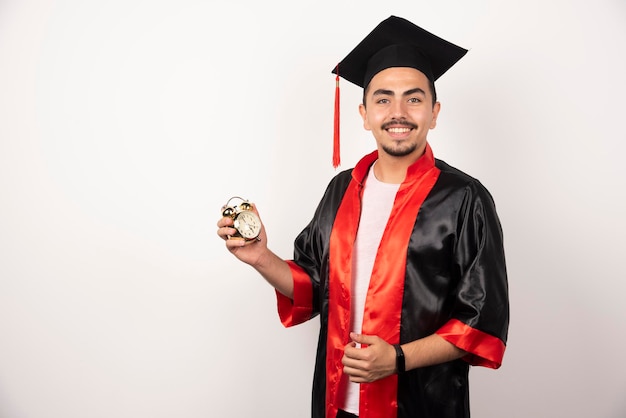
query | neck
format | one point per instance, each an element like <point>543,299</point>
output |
<point>390,169</point>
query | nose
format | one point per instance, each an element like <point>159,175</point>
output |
<point>398,109</point>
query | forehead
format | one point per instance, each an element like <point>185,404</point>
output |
<point>399,77</point>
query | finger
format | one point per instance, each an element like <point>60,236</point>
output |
<point>226,232</point>
<point>363,339</point>
<point>359,378</point>
<point>224,221</point>
<point>352,367</point>
<point>356,375</point>
<point>238,242</point>
<point>349,360</point>
<point>353,371</point>
<point>354,353</point>
<point>351,344</point>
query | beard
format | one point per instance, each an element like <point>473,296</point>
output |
<point>400,150</point>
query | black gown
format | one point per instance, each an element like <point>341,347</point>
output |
<point>440,268</point>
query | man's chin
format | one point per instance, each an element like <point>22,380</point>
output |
<point>399,151</point>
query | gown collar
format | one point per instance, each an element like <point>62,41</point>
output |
<point>414,172</point>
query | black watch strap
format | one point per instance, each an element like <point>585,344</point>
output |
<point>400,363</point>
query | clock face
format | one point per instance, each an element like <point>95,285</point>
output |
<point>248,224</point>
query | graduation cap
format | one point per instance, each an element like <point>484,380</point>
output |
<point>395,42</point>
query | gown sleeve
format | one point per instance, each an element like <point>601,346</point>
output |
<point>309,266</point>
<point>479,323</point>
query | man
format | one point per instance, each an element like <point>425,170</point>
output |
<point>403,259</point>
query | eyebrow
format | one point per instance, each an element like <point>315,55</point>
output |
<point>384,92</point>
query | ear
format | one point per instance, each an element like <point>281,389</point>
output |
<point>363,112</point>
<point>436,109</point>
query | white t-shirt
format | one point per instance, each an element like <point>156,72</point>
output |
<point>378,198</point>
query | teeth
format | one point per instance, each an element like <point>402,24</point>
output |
<point>398,130</point>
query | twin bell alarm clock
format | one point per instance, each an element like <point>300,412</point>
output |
<point>245,221</point>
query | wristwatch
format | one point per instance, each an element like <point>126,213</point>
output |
<point>245,221</point>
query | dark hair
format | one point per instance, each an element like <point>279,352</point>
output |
<point>431,85</point>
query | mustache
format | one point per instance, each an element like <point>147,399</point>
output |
<point>401,122</point>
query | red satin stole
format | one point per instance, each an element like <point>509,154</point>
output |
<point>383,304</point>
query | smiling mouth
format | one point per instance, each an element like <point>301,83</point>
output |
<point>398,130</point>
<point>398,126</point>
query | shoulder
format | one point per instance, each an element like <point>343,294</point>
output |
<point>452,178</point>
<point>339,182</point>
<point>335,191</point>
<point>343,177</point>
<point>452,173</point>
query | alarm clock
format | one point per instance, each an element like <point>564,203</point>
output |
<point>245,221</point>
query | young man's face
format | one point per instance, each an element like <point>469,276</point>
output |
<point>399,111</point>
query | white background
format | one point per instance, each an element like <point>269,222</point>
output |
<point>125,125</point>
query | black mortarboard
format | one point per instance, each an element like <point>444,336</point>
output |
<point>395,42</point>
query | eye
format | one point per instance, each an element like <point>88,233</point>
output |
<point>415,100</point>
<point>382,101</point>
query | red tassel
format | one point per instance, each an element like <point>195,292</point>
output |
<point>336,157</point>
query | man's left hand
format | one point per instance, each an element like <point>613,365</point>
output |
<point>368,358</point>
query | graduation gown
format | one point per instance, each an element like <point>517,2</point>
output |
<point>440,268</point>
